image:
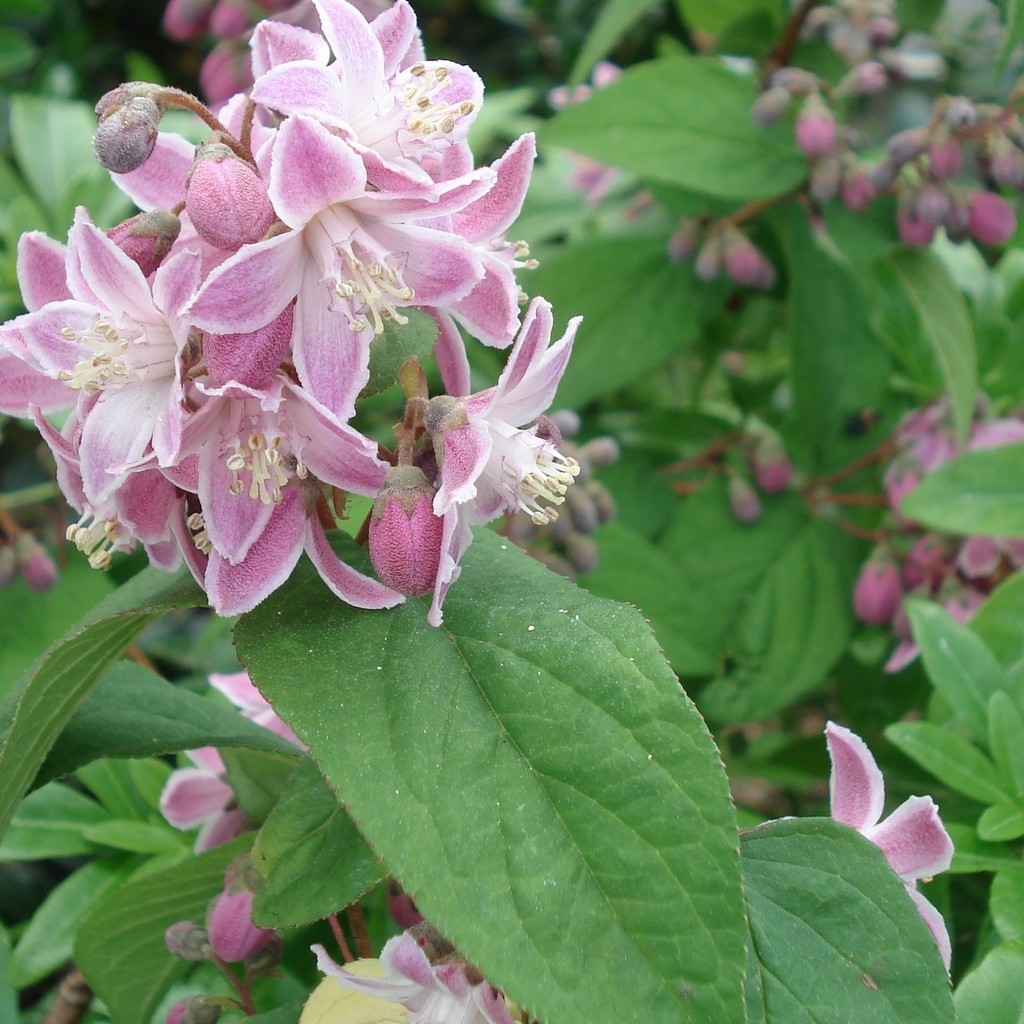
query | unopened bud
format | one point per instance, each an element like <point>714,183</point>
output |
<point>933,203</point>
<point>126,136</point>
<point>401,906</point>
<point>825,179</point>
<point>582,553</point>
<point>957,220</point>
<point>567,422</point>
<point>868,78</point>
<point>602,451</point>
<point>683,242</point>
<point>265,959</point>
<point>881,30</point>
<point>743,499</point>
<point>795,81</point>
<point>770,106</point>
<point>978,558</point>
<point>906,145</point>
<point>708,264</point>
<point>925,565</point>
<point>233,936</point>
<point>815,127</point>
<point>187,941</point>
<point>990,218</point>
<point>877,592</point>
<point>185,20</point>
<point>1006,162</point>
<point>405,535</point>
<point>225,71</point>
<point>581,511</point>
<point>770,464</point>
<point>195,1010</point>
<point>960,112</point>
<point>882,175</point>
<point>913,228</point>
<point>230,18</point>
<point>37,568</point>
<point>856,190</point>
<point>945,158</point>
<point>226,200</point>
<point>146,238</point>
<point>603,501</point>
<point>744,262</point>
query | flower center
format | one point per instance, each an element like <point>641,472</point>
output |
<point>96,538</point>
<point>113,352</point>
<point>197,526</point>
<point>369,286</point>
<point>552,475</point>
<point>429,113</point>
<point>265,463</point>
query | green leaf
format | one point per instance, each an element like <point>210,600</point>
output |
<point>1006,902</point>
<point>137,836</point>
<point>616,18</point>
<point>17,50</point>
<point>951,759</point>
<point>313,860</point>
<point>120,946</point>
<point>529,771</point>
<point>685,121</point>
<point>50,823</point>
<point>637,309</point>
<point>970,854</point>
<point>62,678</point>
<point>834,935</point>
<point>1002,822</point>
<point>282,1015</point>
<point>980,492</point>
<point>398,342</point>
<point>716,15</point>
<point>958,663</point>
<point>47,942</point>
<point>133,712</point>
<point>993,993</point>
<point>8,993</point>
<point>113,784</point>
<point>998,621</point>
<point>1006,739</point>
<point>1013,16</point>
<point>946,323</point>
<point>634,570</point>
<point>834,374</point>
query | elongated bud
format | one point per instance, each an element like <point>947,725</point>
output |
<point>990,218</point>
<point>933,203</point>
<point>856,190</point>
<point>770,106</point>
<point>960,112</point>
<point>913,228</point>
<point>226,200</point>
<point>195,1010</point>
<point>815,127</point>
<point>877,592</point>
<point>187,941</point>
<point>127,132</point>
<point>743,499</point>
<point>708,264</point>
<point>405,535</point>
<point>906,145</point>
<point>945,158</point>
<point>825,178</point>
<point>683,242</point>
<point>868,78</point>
<point>795,81</point>
<point>146,238</point>
<point>233,936</point>
<point>770,464</point>
<point>37,568</point>
<point>744,263</point>
<point>402,908</point>
<point>229,18</point>
<point>185,20</point>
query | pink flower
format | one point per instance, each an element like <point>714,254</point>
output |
<point>491,458</point>
<point>913,839</point>
<point>438,993</point>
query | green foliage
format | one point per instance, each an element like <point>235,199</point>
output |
<point>398,343</point>
<point>476,758</point>
<point>993,993</point>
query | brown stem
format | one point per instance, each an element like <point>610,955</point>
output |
<point>182,100</point>
<point>72,1002</point>
<point>708,456</point>
<point>244,995</point>
<point>831,498</point>
<point>783,52</point>
<point>362,538</point>
<point>323,513</point>
<point>132,653</point>
<point>245,135</point>
<point>9,524</point>
<point>884,450</point>
<point>339,937</point>
<point>861,532</point>
<point>757,206</point>
<point>357,924</point>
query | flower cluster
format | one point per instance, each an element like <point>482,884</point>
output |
<point>956,571</point>
<point>209,353</point>
<point>913,838</point>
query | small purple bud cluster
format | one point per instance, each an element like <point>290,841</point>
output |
<point>21,553</point>
<point>768,465</point>
<point>855,29</point>
<point>567,545</point>
<point>228,936</point>
<point>956,571</point>
<point>725,250</point>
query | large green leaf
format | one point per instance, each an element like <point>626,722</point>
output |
<point>685,121</point>
<point>715,15</point>
<point>133,712</point>
<point>837,366</point>
<point>50,823</point>
<point>834,936</point>
<point>980,492</point>
<point>993,993</point>
<point>312,857</point>
<point>946,324</point>
<point>767,603</point>
<point>637,308</point>
<point>530,771</point>
<point>1006,899</point>
<point>959,664</point>
<point>1006,739</point>
<point>120,946</point>
<point>615,19</point>
<point>998,621</point>
<point>59,681</point>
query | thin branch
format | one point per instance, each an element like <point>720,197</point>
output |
<point>72,1002</point>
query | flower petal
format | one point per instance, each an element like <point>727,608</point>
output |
<point>219,829</point>
<point>913,839</point>
<point>936,925</point>
<point>399,38</point>
<point>856,788</point>
<point>464,454</point>
<point>351,586</point>
<point>160,182</point>
<point>491,216</point>
<point>192,795</point>
<point>274,42</point>
<point>23,386</point>
<point>491,310</point>
<point>456,536</point>
<point>360,58</point>
<point>42,274</point>
<point>303,87</point>
<point>450,351</point>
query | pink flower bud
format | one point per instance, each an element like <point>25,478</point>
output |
<point>978,558</point>
<point>37,568</point>
<point>742,260</point>
<point>960,112</point>
<point>405,535</point>
<point>770,106</point>
<point>913,228</point>
<point>883,174</point>
<point>708,264</point>
<point>815,127</point>
<point>743,499</point>
<point>195,1010</point>
<point>226,71</point>
<point>990,218</point>
<point>226,200</point>
<point>402,908</point>
<point>825,179</point>
<point>926,565</point>
<point>683,242</point>
<point>877,593</point>
<point>856,191</point>
<point>185,20</point>
<point>933,203</point>
<point>233,936</point>
<point>187,941</point>
<point>906,145</point>
<point>249,358</point>
<point>881,30</point>
<point>229,18</point>
<point>868,78</point>
<point>1006,163</point>
<point>126,136</point>
<point>146,238</point>
<point>770,465</point>
<point>945,157</point>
